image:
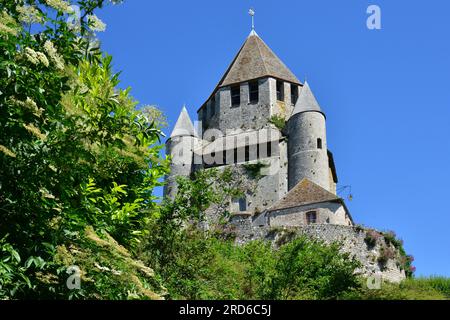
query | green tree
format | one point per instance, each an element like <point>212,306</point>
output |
<point>74,150</point>
<point>206,264</point>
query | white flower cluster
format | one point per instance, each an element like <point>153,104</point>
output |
<point>60,5</point>
<point>30,105</point>
<point>8,26</point>
<point>36,57</point>
<point>95,23</point>
<point>6,151</point>
<point>29,14</point>
<point>31,128</point>
<point>53,54</point>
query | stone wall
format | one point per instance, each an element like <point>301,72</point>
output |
<point>327,213</point>
<point>351,238</point>
<point>306,158</point>
<point>245,116</point>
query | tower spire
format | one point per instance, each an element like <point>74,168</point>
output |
<point>251,12</point>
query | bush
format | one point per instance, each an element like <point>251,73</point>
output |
<point>64,125</point>
<point>204,267</point>
<point>307,269</point>
<point>391,238</point>
<point>278,121</point>
<point>386,253</point>
<point>432,288</point>
<point>371,238</point>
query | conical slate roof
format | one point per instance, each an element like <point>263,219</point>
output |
<point>256,60</point>
<point>305,192</point>
<point>306,101</point>
<point>184,126</point>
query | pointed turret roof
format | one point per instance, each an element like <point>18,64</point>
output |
<point>184,126</point>
<point>305,192</point>
<point>256,60</point>
<point>306,101</point>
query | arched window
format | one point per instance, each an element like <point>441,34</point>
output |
<point>311,217</point>
<point>319,143</point>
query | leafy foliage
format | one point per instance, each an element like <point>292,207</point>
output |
<point>12,271</point>
<point>432,288</point>
<point>254,169</point>
<point>74,150</point>
<point>278,121</point>
<point>78,167</point>
<point>199,264</point>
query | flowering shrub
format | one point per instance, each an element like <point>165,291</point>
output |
<point>63,121</point>
<point>386,254</point>
<point>372,237</point>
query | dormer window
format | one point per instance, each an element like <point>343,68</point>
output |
<point>280,90</point>
<point>294,93</point>
<point>235,96</point>
<point>253,88</point>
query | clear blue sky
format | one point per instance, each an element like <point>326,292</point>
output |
<point>386,92</point>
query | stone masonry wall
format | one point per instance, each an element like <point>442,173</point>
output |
<point>351,238</point>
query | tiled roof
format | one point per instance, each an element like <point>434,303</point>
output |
<point>305,192</point>
<point>256,60</point>
<point>184,126</point>
<point>306,101</point>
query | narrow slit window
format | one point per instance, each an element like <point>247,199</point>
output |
<point>224,156</point>
<point>280,90</point>
<point>213,105</point>
<point>253,91</point>
<point>235,96</point>
<point>242,204</point>
<point>204,118</point>
<point>294,93</point>
<point>319,143</point>
<point>311,217</point>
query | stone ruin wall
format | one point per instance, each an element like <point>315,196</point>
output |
<point>352,239</point>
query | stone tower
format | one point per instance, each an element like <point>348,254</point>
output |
<point>256,86</point>
<point>266,126</point>
<point>180,147</point>
<point>307,144</point>
<point>260,115</point>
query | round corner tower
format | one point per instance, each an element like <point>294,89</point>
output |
<point>180,147</point>
<point>307,143</point>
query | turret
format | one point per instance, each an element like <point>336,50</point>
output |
<point>307,143</point>
<point>180,147</point>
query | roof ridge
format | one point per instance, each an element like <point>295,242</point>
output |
<point>261,55</point>
<point>254,60</point>
<point>303,193</point>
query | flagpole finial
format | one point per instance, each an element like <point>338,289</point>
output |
<point>251,12</point>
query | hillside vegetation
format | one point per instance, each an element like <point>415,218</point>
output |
<point>79,163</point>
